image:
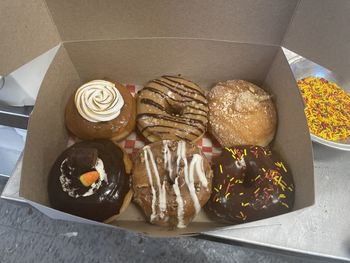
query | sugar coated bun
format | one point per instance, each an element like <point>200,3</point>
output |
<point>172,108</point>
<point>101,109</point>
<point>241,113</point>
<point>91,179</point>
<point>171,181</point>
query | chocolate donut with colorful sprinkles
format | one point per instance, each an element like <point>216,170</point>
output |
<point>250,183</point>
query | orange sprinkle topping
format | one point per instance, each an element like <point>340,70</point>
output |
<point>327,108</point>
<point>89,178</point>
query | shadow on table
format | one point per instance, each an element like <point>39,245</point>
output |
<point>323,153</point>
<point>347,245</point>
<point>296,255</point>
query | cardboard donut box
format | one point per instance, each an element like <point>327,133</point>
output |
<point>135,41</point>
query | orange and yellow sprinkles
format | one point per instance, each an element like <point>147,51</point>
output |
<point>243,191</point>
<point>327,108</point>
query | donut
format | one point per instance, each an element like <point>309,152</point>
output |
<point>241,113</point>
<point>172,108</point>
<point>101,109</point>
<point>171,181</point>
<point>91,179</point>
<point>250,183</point>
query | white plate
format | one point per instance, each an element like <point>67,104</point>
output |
<point>302,68</point>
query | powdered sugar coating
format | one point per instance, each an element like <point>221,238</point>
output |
<point>241,113</point>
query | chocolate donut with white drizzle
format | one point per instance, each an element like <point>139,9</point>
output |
<point>171,182</point>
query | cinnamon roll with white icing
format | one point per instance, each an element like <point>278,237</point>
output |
<point>172,181</point>
<point>101,109</point>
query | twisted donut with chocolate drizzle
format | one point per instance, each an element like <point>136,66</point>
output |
<point>172,108</point>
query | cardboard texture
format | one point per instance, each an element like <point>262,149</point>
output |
<point>133,42</point>
<point>47,133</point>
<point>320,32</point>
<point>292,138</point>
<point>26,31</point>
<point>139,61</point>
<point>136,61</point>
<point>238,20</point>
<point>246,21</point>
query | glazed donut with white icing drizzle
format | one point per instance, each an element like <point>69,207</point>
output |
<point>171,182</point>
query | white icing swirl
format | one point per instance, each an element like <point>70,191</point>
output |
<point>98,100</point>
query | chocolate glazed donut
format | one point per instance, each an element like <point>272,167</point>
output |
<point>172,108</point>
<point>250,183</point>
<point>90,179</point>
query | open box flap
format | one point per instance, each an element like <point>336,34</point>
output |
<point>26,31</point>
<point>292,128</point>
<point>248,21</point>
<point>320,32</point>
<point>42,144</point>
<point>135,61</point>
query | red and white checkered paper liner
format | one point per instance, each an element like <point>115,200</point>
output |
<point>134,142</point>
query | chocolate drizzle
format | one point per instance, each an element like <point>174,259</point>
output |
<point>176,90</point>
<point>104,201</point>
<point>153,103</point>
<point>250,183</point>
<point>164,126</point>
<point>177,83</point>
<point>185,120</point>
<point>162,108</point>
<point>175,105</point>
